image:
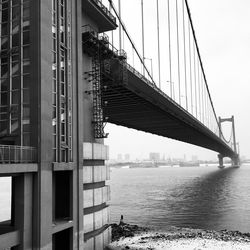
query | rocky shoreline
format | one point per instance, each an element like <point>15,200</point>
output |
<point>126,236</point>
<point>126,230</point>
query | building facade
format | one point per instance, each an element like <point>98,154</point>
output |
<point>51,125</point>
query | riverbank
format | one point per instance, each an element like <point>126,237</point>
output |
<point>133,237</point>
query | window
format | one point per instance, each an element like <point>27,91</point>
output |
<point>61,85</point>
<point>4,27</point>
<point>26,37</point>
<point>15,69</point>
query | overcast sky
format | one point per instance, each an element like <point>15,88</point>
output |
<point>223,32</point>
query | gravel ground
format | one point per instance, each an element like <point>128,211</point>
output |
<point>133,237</point>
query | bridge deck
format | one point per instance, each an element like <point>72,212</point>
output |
<point>136,103</point>
<point>142,106</point>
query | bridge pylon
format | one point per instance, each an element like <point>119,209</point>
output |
<point>235,159</point>
<point>220,157</point>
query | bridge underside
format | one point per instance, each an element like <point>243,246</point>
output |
<point>139,105</point>
<point>129,100</point>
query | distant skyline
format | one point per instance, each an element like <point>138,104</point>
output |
<point>222,31</point>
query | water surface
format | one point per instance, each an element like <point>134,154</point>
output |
<point>197,197</point>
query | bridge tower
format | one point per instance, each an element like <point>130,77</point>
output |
<point>235,158</point>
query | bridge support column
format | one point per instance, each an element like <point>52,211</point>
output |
<point>236,161</point>
<point>220,157</point>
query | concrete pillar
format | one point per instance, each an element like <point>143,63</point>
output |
<point>220,157</point>
<point>78,122</point>
<point>236,161</point>
<point>22,208</point>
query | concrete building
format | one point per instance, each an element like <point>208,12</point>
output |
<point>51,127</point>
<point>119,157</point>
<point>194,158</point>
<point>154,156</point>
<point>126,157</point>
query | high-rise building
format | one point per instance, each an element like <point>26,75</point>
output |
<point>51,125</point>
<point>119,157</point>
<point>194,158</point>
<point>154,156</point>
<point>126,157</point>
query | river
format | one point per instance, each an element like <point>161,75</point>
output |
<point>197,197</point>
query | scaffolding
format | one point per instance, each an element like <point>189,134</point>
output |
<point>104,55</point>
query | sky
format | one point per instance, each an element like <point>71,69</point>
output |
<point>223,34</point>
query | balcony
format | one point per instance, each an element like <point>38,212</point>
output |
<point>97,11</point>
<point>12,154</point>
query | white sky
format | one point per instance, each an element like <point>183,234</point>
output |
<point>223,34</point>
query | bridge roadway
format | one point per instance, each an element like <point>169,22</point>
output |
<point>140,105</point>
<point>134,102</point>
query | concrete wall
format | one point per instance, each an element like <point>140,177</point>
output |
<point>99,241</point>
<point>96,196</point>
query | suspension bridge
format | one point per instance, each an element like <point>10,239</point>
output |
<point>171,98</point>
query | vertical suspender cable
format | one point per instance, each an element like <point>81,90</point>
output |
<point>158,40</point>
<point>169,52</point>
<point>206,108</point>
<point>203,104</point>
<point>130,40</point>
<point>202,100</point>
<point>142,28</point>
<point>201,95</point>
<point>178,49</point>
<point>209,111</point>
<point>198,52</point>
<point>123,41</point>
<point>190,69</point>
<point>112,32</point>
<point>195,87</point>
<point>133,58</point>
<point>185,59</point>
<point>199,89</point>
<point>120,26</point>
<point>112,38</point>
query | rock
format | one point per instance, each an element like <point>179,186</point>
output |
<point>125,230</point>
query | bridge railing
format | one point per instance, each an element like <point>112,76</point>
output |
<point>10,154</point>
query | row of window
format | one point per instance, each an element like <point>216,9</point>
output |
<point>61,84</point>
<point>12,11</point>
<point>15,70</point>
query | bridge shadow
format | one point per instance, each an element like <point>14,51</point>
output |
<point>204,202</point>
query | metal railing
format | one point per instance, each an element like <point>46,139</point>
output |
<point>104,39</point>
<point>17,154</point>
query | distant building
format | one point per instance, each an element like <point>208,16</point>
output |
<point>126,157</point>
<point>154,156</point>
<point>194,158</point>
<point>184,158</point>
<point>119,157</point>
